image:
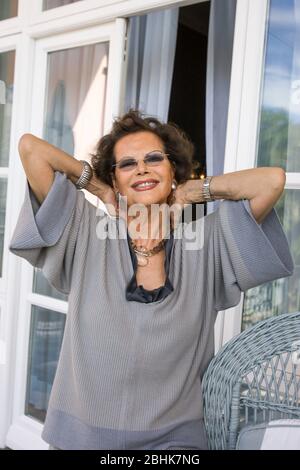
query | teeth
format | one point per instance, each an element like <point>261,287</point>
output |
<point>144,185</point>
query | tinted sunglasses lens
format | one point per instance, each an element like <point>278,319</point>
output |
<point>127,165</point>
<point>154,158</point>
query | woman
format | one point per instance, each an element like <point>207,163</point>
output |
<point>139,329</point>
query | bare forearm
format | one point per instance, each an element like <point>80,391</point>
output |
<point>58,160</point>
<point>261,186</point>
<point>247,184</point>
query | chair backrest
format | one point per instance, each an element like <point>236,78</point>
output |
<point>255,377</point>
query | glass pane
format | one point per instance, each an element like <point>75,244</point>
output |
<point>74,110</point>
<point>48,4</point>
<point>281,295</point>
<point>42,286</point>
<point>8,9</point>
<point>280,112</point>
<point>46,334</point>
<point>278,145</point>
<point>3,190</point>
<point>7,72</point>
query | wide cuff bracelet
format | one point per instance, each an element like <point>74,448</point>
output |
<point>207,196</point>
<point>85,176</point>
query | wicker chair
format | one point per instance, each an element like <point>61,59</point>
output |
<point>254,378</point>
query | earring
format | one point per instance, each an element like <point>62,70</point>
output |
<point>174,185</point>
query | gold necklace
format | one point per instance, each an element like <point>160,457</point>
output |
<point>143,254</point>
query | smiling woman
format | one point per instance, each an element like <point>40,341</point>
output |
<point>145,183</point>
<point>169,138</point>
<point>144,160</point>
<point>139,337</point>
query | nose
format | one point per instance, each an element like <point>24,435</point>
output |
<point>142,167</point>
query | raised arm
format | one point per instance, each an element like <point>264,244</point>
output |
<point>261,186</point>
<point>40,160</point>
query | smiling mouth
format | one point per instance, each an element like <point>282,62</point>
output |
<point>145,186</point>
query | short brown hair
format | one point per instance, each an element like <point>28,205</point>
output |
<point>176,143</point>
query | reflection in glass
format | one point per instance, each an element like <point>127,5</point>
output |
<point>281,295</point>
<point>48,4</point>
<point>74,111</point>
<point>3,191</point>
<point>46,334</point>
<point>279,143</point>
<point>7,72</point>
<point>8,9</point>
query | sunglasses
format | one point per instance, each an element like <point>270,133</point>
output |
<point>151,159</point>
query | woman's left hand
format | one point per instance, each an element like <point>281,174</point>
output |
<point>185,193</point>
<point>188,193</point>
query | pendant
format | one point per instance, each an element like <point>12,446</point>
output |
<point>142,260</point>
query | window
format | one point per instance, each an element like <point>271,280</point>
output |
<point>46,334</point>
<point>279,145</point>
<point>49,4</point>
<point>74,111</point>
<point>8,9</point>
<point>73,121</point>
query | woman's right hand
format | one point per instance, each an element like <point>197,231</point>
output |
<point>104,192</point>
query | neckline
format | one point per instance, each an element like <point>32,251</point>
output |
<point>170,276</point>
<point>134,264</point>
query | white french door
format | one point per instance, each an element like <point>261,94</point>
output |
<point>76,91</point>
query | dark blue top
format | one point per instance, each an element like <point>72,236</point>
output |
<point>138,293</point>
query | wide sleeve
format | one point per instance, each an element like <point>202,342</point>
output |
<point>246,253</point>
<point>46,234</point>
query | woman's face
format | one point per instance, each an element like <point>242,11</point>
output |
<point>137,145</point>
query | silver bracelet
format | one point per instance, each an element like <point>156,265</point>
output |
<point>207,196</point>
<point>85,176</point>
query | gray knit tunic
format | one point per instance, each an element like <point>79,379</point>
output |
<point>129,373</point>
